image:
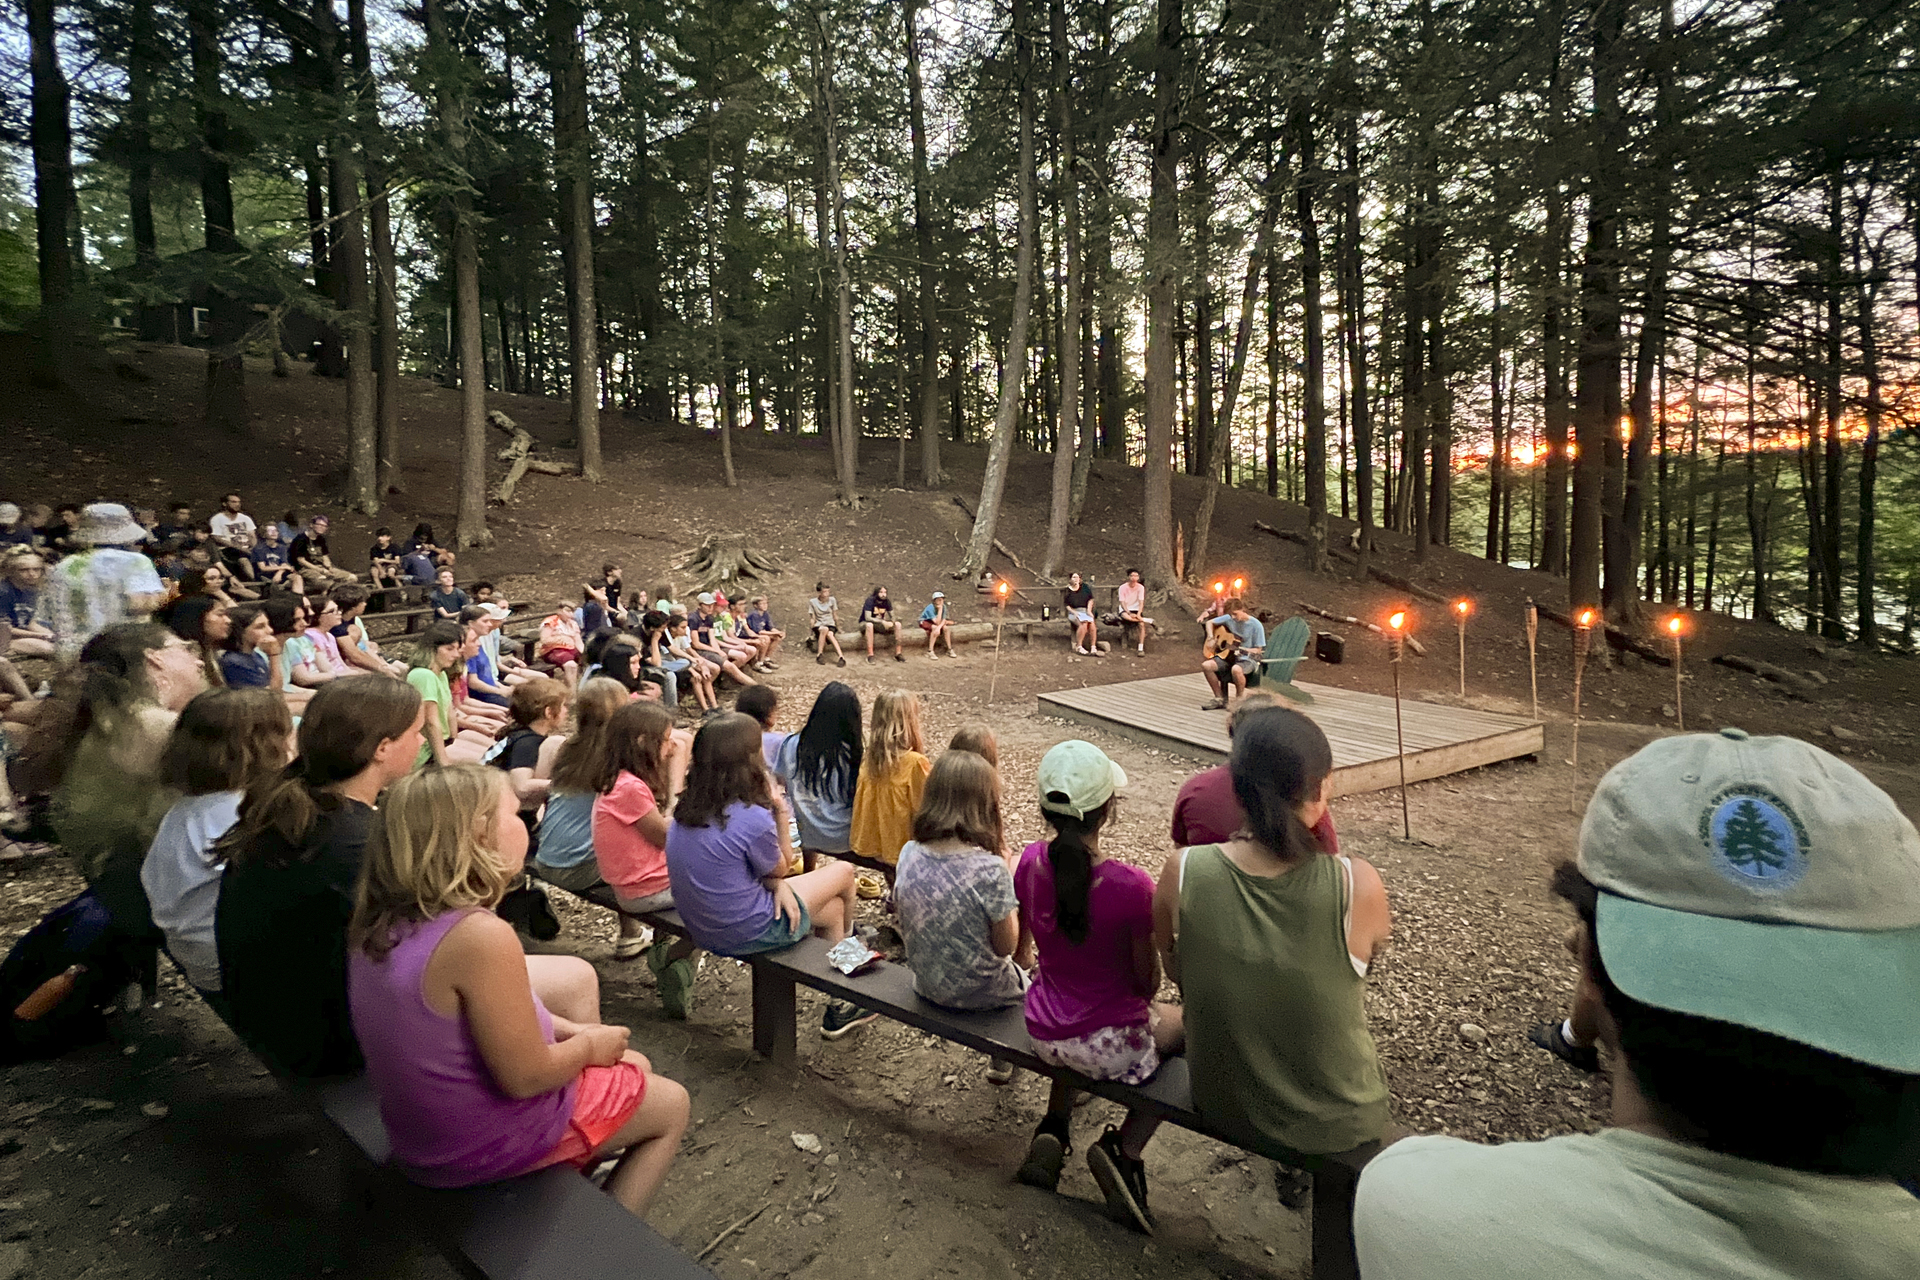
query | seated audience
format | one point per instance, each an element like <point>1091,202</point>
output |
<point>483,676</point>
<point>291,525</point>
<point>1245,638</point>
<point>358,649</point>
<point>489,1062</point>
<point>445,599</point>
<point>564,853</point>
<point>179,524</point>
<point>248,662</point>
<point>234,534</point>
<point>699,672</point>
<point>561,644</point>
<point>24,571</point>
<point>636,774</point>
<point>383,560</point>
<point>1132,598</point>
<point>211,579</point>
<point>979,739</point>
<point>727,857</point>
<point>135,678</point>
<point>299,666</point>
<point>1206,810</point>
<point>823,623</point>
<point>1091,1008</point>
<point>876,614</point>
<point>819,767</point>
<point>312,560</point>
<point>225,742</point>
<point>715,649</point>
<point>103,583</point>
<point>600,600</point>
<point>269,559</point>
<point>1743,908</point>
<point>539,709</point>
<point>436,655</point>
<point>1078,602</point>
<point>61,534</point>
<point>323,621</point>
<point>893,772</point>
<point>417,569</point>
<point>934,621</point>
<point>14,531</point>
<point>954,893</point>
<point>292,858</point>
<point>423,542</point>
<point>1270,943</point>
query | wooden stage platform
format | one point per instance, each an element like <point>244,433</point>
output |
<point>1166,713</point>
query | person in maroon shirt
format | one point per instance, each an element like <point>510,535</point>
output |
<point>1206,810</point>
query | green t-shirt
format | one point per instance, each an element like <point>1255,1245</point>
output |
<point>1619,1205</point>
<point>433,687</point>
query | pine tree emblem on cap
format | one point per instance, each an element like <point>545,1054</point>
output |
<point>1757,839</point>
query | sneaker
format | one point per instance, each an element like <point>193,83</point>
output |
<point>1046,1157</point>
<point>1552,1036</point>
<point>675,985</point>
<point>842,1017</point>
<point>630,948</point>
<point>1141,649</point>
<point>931,655</point>
<point>899,656</point>
<point>1000,1071</point>
<point>1123,1181</point>
<point>1293,1186</point>
<point>1217,704</point>
<point>822,660</point>
<point>842,662</point>
<point>869,659</point>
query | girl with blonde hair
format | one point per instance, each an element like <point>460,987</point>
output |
<point>893,773</point>
<point>489,1063</point>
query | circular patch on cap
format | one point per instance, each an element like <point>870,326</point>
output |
<point>1756,838</point>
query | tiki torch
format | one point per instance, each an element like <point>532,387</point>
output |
<point>1533,653</point>
<point>1462,610</point>
<point>1396,648</point>
<point>999,625</point>
<point>1675,626</point>
<point>1582,641</point>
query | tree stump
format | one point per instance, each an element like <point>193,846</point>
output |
<point>726,558</point>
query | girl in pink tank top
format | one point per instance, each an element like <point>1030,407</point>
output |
<point>488,1062</point>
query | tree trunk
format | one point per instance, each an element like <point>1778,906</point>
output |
<point>722,376</point>
<point>470,519</point>
<point>1257,261</point>
<point>1314,321</point>
<point>1832,603</point>
<point>1497,459</point>
<point>1162,262</point>
<point>1555,412</point>
<point>56,208</point>
<point>1067,449</point>
<point>573,173</point>
<point>1272,267</point>
<point>349,256</point>
<point>1865,571</point>
<point>143,63</point>
<point>226,389</point>
<point>931,473</point>
<point>1013,368</point>
<point>386,296</point>
<point>1597,391</point>
<point>847,458</point>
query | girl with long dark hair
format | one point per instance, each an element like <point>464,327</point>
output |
<point>820,766</point>
<point>1091,1007</point>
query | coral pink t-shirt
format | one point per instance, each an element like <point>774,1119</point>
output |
<point>634,867</point>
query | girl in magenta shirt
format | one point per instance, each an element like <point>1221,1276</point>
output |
<point>488,1062</point>
<point>1091,1006</point>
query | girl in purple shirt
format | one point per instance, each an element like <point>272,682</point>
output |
<point>488,1062</point>
<point>1091,1006</point>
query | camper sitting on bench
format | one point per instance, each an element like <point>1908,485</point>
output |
<point>1235,641</point>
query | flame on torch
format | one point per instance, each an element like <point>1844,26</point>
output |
<point>1397,621</point>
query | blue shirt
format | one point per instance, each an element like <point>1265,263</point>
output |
<point>929,613</point>
<point>246,670</point>
<point>419,568</point>
<point>18,604</point>
<point>566,829</point>
<point>1252,632</point>
<point>759,622</point>
<point>268,555</point>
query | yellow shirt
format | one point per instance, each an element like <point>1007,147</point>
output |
<point>883,808</point>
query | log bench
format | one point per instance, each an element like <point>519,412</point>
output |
<point>1002,1033</point>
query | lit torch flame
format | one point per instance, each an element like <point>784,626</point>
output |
<point>1238,583</point>
<point>1463,607</point>
<point>1397,621</point>
<point>1586,617</point>
<point>1219,587</point>
<point>1003,588</point>
<point>1673,625</point>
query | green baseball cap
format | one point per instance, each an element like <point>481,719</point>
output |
<point>1762,882</point>
<point>1076,778</point>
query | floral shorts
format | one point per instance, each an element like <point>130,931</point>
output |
<point>1126,1054</point>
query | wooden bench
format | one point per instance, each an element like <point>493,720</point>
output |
<point>549,1225</point>
<point>1002,1033</point>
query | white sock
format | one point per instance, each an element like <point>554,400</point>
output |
<point>1566,1033</point>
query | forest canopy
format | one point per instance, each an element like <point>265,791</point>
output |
<point>1624,290</point>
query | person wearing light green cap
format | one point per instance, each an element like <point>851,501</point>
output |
<point>1749,947</point>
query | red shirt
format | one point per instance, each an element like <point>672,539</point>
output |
<point>1207,812</point>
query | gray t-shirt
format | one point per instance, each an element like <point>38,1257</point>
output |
<point>820,612</point>
<point>948,903</point>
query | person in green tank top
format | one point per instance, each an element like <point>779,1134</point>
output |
<point>1270,941</point>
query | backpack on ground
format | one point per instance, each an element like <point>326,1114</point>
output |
<point>56,979</point>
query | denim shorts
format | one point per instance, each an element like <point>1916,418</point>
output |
<point>776,936</point>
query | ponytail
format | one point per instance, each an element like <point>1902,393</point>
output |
<point>1071,858</point>
<point>1279,761</point>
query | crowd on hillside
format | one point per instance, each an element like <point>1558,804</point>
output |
<point>321,851</point>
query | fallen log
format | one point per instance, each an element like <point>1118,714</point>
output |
<point>1300,539</point>
<point>517,453</point>
<point>1373,571</point>
<point>998,545</point>
<point>1330,616</point>
<point>1795,684</point>
<point>1616,638</point>
<point>912,637</point>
